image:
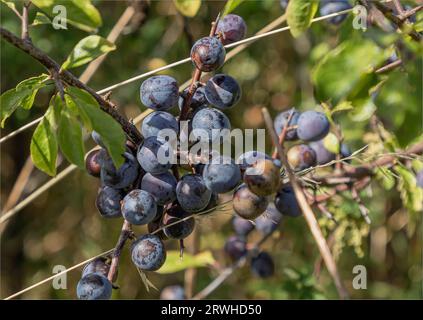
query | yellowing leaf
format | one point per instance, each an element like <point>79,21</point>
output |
<point>174,263</point>
<point>331,143</point>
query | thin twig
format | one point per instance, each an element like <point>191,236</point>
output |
<point>112,37</point>
<point>58,275</point>
<point>307,211</point>
<point>410,12</point>
<point>389,66</point>
<point>283,133</point>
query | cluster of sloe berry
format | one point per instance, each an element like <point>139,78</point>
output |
<point>147,189</point>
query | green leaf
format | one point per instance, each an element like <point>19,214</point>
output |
<point>411,194</point>
<point>70,139</point>
<point>87,50</point>
<point>357,59</point>
<point>188,8</point>
<point>21,96</point>
<point>299,15</point>
<point>231,6</point>
<point>79,13</point>
<point>39,19</point>
<point>96,119</point>
<point>174,263</point>
<point>331,143</point>
<point>44,148</point>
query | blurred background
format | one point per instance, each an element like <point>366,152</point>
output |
<point>63,227</point>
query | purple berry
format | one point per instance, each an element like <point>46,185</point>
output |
<point>173,293</point>
<point>281,120</point>
<point>108,202</point>
<point>139,207</point>
<point>312,126</point>
<point>208,54</point>
<point>222,91</point>
<point>232,27</point>
<point>192,193</point>
<point>286,202</point>
<point>235,248</point>
<point>148,252</point>
<point>162,186</point>
<point>262,265</point>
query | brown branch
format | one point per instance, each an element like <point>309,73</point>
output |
<point>125,234</point>
<point>195,79</point>
<point>70,79</point>
<point>389,14</point>
<point>24,20</point>
<point>307,211</point>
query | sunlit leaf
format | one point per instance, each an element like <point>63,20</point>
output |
<point>96,119</point>
<point>331,143</point>
<point>188,8</point>
<point>299,15</point>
